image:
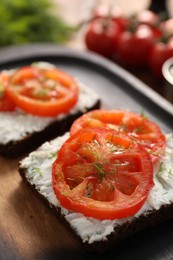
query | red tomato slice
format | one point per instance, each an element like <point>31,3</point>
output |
<point>103,174</point>
<point>5,103</point>
<point>137,126</point>
<point>43,92</point>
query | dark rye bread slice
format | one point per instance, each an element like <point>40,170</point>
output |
<point>94,234</point>
<point>56,127</point>
<point>121,232</point>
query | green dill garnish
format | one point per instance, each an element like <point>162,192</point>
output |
<point>143,115</point>
<point>138,130</point>
<point>42,92</point>
<point>52,155</point>
<point>89,190</point>
<point>169,152</point>
<point>134,140</point>
<point>117,148</point>
<point>37,170</point>
<point>160,172</point>
<point>166,192</point>
<point>101,173</point>
<point>170,172</point>
<point>93,149</point>
<point>52,86</point>
<point>162,169</point>
<point>35,63</point>
<point>155,153</point>
<point>159,179</point>
<point>159,153</point>
<point>113,146</point>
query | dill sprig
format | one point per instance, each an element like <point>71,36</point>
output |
<point>143,115</point>
<point>36,170</point>
<point>160,152</point>
<point>162,169</point>
<point>101,173</point>
<point>160,172</point>
<point>52,155</point>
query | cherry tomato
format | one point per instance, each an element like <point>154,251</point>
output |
<point>101,36</point>
<point>42,92</point>
<point>5,103</point>
<point>115,14</point>
<point>146,132</point>
<point>103,174</point>
<point>133,47</point>
<point>159,53</point>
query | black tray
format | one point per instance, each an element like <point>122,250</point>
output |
<point>117,89</point>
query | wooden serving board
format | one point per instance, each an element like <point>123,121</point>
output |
<point>28,228</point>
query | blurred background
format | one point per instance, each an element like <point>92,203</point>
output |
<point>75,11</point>
<point>24,21</point>
<point>136,34</point>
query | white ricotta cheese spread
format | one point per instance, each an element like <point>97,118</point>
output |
<point>38,172</point>
<point>18,124</point>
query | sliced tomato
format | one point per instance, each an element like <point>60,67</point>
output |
<point>137,126</point>
<point>43,92</point>
<point>102,173</point>
<point>5,103</point>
